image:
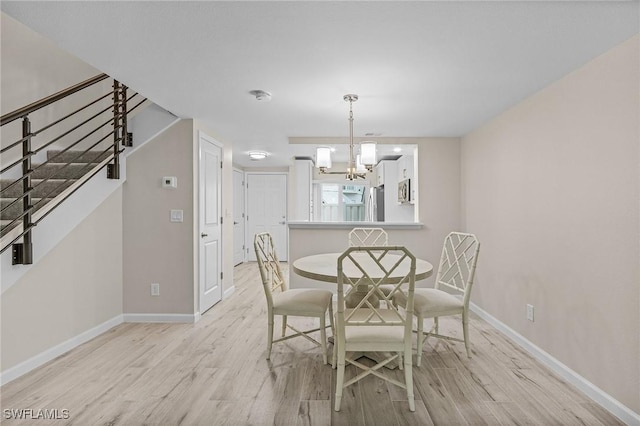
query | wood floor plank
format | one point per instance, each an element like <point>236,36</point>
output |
<point>215,372</point>
<point>377,406</point>
<point>317,380</point>
<point>420,417</point>
<point>351,406</point>
<point>468,400</point>
<point>440,405</point>
<point>314,413</point>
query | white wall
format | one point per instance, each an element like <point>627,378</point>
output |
<point>551,188</point>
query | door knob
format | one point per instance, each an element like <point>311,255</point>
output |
<point>282,223</point>
<point>235,223</point>
<point>204,235</point>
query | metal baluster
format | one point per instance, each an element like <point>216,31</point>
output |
<point>113,170</point>
<point>23,252</point>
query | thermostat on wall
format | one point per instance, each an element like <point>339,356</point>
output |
<point>169,182</point>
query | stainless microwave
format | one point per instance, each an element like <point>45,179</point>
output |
<point>404,191</point>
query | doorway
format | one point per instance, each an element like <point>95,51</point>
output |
<point>267,210</point>
<point>210,222</point>
<point>238,217</point>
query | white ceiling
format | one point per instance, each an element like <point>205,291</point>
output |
<point>420,68</point>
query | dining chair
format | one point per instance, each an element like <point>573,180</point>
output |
<point>455,275</point>
<point>368,237</point>
<point>290,302</point>
<point>373,327</point>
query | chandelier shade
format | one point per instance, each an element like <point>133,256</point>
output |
<point>368,153</point>
<point>323,157</point>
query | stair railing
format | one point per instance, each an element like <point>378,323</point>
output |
<point>63,141</point>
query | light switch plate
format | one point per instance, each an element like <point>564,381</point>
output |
<point>177,215</point>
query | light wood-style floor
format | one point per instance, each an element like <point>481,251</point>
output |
<point>215,373</point>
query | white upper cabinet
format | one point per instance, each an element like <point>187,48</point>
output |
<point>405,167</point>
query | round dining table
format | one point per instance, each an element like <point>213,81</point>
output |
<point>324,267</point>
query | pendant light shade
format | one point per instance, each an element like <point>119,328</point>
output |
<point>368,153</point>
<point>323,157</point>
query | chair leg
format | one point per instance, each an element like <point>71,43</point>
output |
<point>270,337</point>
<point>408,378</point>
<point>420,340</point>
<point>334,358</point>
<point>400,361</point>
<point>284,325</point>
<point>465,331</point>
<point>333,329</point>
<point>340,379</point>
<point>323,338</point>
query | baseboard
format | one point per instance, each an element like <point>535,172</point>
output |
<point>171,318</point>
<point>228,292</point>
<point>592,391</point>
<point>36,361</point>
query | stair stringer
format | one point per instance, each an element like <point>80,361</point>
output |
<point>146,126</point>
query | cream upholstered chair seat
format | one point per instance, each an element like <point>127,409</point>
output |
<point>374,334</point>
<point>433,301</point>
<point>301,302</point>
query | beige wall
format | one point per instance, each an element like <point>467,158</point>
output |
<point>551,188</point>
<point>33,67</point>
<point>156,250</point>
<point>74,288</point>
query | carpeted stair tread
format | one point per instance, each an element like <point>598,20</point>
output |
<point>15,210</point>
<point>59,171</point>
<point>4,226</point>
<point>50,188</point>
<point>70,156</point>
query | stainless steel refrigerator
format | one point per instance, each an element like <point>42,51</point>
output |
<point>375,208</point>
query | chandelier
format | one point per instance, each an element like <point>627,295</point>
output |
<point>359,164</point>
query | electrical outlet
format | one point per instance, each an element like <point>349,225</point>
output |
<point>530,312</point>
<point>155,289</point>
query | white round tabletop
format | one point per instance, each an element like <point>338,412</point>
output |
<point>324,267</point>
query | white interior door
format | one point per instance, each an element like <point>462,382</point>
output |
<point>238,217</point>
<point>210,221</point>
<point>267,210</point>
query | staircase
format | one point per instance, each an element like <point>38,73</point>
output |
<point>78,144</point>
<point>48,181</point>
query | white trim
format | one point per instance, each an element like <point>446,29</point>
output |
<point>228,292</point>
<point>592,391</point>
<point>296,224</point>
<point>36,361</point>
<point>168,318</point>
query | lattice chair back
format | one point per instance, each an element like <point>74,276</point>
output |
<point>375,324</point>
<point>272,278</point>
<point>458,263</point>
<point>368,237</point>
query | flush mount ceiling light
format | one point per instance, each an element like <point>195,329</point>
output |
<point>358,165</point>
<point>261,95</point>
<point>257,155</point>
